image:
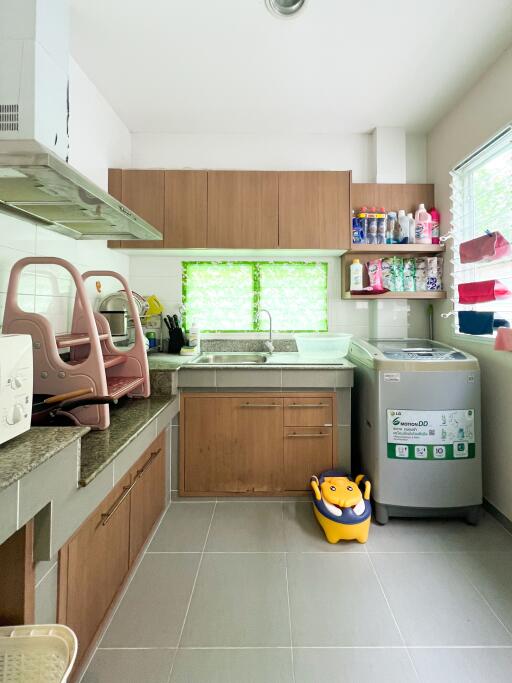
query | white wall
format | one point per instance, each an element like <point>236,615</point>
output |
<point>98,139</point>
<point>482,112</point>
<point>272,152</point>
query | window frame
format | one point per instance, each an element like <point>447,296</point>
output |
<point>492,148</point>
<point>256,279</point>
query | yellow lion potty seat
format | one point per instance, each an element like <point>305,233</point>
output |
<point>342,506</point>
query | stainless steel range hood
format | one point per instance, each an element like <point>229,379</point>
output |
<point>36,185</point>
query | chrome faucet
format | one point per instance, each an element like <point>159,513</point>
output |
<point>268,344</point>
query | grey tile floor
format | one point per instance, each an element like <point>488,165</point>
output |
<point>251,592</point>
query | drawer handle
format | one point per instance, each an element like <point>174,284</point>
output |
<point>153,455</point>
<point>308,405</point>
<point>105,517</point>
<point>303,436</point>
<point>260,405</point>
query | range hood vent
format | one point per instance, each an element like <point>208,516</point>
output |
<point>36,185</point>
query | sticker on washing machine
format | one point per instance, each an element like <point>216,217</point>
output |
<point>431,434</point>
<point>391,376</point>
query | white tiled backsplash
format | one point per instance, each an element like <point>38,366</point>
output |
<point>162,275</point>
<point>49,289</point>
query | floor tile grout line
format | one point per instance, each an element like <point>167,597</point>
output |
<point>491,608</point>
<point>288,599</point>
<point>409,657</point>
<point>192,592</point>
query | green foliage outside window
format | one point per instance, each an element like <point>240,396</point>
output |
<point>226,296</point>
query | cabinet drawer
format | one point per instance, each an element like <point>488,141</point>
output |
<point>307,451</point>
<point>305,412</point>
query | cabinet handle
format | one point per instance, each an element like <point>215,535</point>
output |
<point>105,517</point>
<point>152,456</point>
<point>302,436</point>
<point>260,405</point>
<point>308,405</point>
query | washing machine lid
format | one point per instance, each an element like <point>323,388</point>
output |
<point>409,355</point>
<point>421,350</point>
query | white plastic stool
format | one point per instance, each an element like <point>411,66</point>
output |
<point>36,654</point>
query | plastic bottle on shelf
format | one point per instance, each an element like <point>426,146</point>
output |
<point>362,217</point>
<point>403,224</point>
<point>381,226</point>
<point>356,275</point>
<point>371,232</point>
<point>194,336</point>
<point>390,227</point>
<point>436,225</point>
<point>423,225</point>
<point>412,228</point>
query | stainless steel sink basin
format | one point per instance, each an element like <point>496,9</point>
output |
<point>231,359</point>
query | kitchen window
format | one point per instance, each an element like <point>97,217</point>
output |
<point>226,296</point>
<point>482,201</point>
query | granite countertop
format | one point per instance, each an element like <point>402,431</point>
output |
<point>127,420</point>
<point>295,360</point>
<point>23,454</point>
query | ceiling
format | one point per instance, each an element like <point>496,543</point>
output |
<point>229,66</point>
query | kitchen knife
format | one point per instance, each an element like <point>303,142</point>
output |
<point>171,322</point>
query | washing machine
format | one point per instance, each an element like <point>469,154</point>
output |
<point>417,405</point>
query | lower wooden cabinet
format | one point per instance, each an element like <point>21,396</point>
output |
<point>254,443</point>
<point>95,561</point>
<point>147,495</point>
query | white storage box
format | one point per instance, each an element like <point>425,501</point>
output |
<point>318,344</point>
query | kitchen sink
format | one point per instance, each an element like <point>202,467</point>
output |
<point>231,359</point>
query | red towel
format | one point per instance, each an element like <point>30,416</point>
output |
<point>489,247</point>
<point>480,292</point>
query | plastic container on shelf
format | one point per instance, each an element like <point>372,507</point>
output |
<point>362,217</point>
<point>412,228</point>
<point>36,654</point>
<point>436,225</point>
<point>381,226</point>
<point>356,275</point>
<point>371,232</point>
<point>403,227</point>
<point>423,225</point>
<point>323,344</point>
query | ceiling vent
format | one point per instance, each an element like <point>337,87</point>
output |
<point>285,8</point>
<point>9,117</point>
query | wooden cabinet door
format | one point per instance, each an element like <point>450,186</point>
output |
<point>257,429</point>
<point>242,209</point>
<point>314,210</point>
<point>308,412</point>
<point>94,564</point>
<point>232,445</point>
<point>307,451</point>
<point>148,494</point>
<point>143,192</point>
<point>186,195</point>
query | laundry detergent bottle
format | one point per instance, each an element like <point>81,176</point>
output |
<point>436,224</point>
<point>423,230</point>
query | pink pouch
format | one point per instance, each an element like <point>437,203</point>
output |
<point>503,340</point>
<point>480,292</point>
<point>490,247</point>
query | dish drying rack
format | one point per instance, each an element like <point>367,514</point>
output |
<point>94,361</point>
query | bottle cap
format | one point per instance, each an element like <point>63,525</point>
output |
<point>356,260</point>
<point>401,212</point>
<point>421,207</point>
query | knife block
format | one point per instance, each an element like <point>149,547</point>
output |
<point>176,340</point>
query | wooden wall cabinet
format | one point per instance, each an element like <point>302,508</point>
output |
<point>243,209</point>
<point>143,192</point>
<point>185,210</point>
<point>254,443</point>
<point>314,209</point>
<point>95,562</point>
